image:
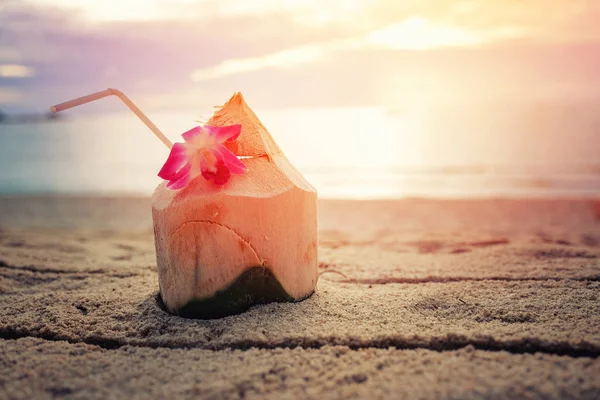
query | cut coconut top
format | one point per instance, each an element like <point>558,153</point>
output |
<point>265,178</point>
<point>255,140</point>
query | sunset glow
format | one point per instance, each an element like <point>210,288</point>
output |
<point>184,53</point>
<point>418,33</point>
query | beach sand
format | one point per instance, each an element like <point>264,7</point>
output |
<point>416,299</point>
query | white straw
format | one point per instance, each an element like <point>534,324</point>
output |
<point>114,92</point>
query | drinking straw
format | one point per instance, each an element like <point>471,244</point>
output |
<point>113,92</point>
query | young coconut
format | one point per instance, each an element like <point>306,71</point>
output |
<point>222,248</point>
<point>226,243</point>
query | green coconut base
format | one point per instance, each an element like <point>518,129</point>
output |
<point>256,285</point>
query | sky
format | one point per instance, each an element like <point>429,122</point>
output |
<point>182,54</point>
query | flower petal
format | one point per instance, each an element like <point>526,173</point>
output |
<point>192,133</point>
<point>229,159</point>
<point>224,133</point>
<point>181,178</point>
<point>222,175</point>
<point>177,159</point>
<point>219,176</point>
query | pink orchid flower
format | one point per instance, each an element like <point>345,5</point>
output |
<point>203,153</point>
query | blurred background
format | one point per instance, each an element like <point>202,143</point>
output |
<point>368,98</point>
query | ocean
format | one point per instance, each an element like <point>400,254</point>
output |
<point>347,153</point>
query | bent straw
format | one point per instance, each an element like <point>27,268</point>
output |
<point>113,92</point>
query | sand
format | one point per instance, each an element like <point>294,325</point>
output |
<point>416,299</point>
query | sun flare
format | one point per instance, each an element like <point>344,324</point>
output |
<point>418,33</point>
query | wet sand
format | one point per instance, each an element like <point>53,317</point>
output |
<point>416,299</point>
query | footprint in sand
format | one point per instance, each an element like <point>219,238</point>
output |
<point>460,250</point>
<point>589,240</point>
<point>434,246</point>
<point>487,243</point>
<point>562,253</point>
<point>123,246</point>
<point>596,208</point>
<point>333,239</point>
<point>548,239</point>
<point>427,246</point>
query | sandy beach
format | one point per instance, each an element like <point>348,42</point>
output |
<point>416,299</point>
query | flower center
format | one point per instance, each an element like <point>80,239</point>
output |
<point>210,159</point>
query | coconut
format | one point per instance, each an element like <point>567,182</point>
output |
<point>222,249</point>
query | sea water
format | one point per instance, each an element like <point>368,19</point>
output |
<point>354,153</point>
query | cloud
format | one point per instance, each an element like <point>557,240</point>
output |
<point>317,52</point>
<point>413,33</point>
<point>289,58</point>
<point>200,10</point>
<point>418,33</point>
<point>285,58</point>
<point>70,57</point>
<point>15,71</point>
